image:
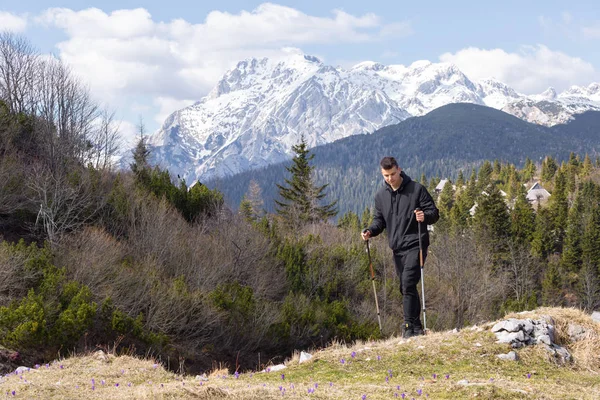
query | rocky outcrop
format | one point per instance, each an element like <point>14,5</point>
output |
<point>526,332</point>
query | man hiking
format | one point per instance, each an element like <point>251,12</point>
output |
<point>400,204</point>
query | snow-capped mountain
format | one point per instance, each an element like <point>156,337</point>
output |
<point>260,108</point>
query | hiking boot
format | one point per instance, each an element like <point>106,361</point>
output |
<point>418,331</point>
<point>407,331</point>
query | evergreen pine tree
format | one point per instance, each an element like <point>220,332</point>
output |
<point>549,168</point>
<point>497,169</point>
<point>522,219</point>
<point>571,254</point>
<point>542,243</point>
<point>529,170</point>
<point>559,208</point>
<point>445,201</point>
<point>366,218</point>
<point>423,180</point>
<point>514,186</point>
<point>472,189</point>
<point>587,167</point>
<point>460,214</point>
<point>349,221</point>
<point>491,220</point>
<point>484,178</point>
<point>590,240</point>
<point>460,181</point>
<point>552,286</point>
<point>300,198</point>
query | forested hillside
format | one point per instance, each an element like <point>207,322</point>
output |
<point>440,144</point>
<point>136,262</point>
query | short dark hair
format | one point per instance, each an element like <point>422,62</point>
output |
<point>388,163</point>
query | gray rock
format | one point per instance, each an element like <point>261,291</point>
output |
<point>304,357</point>
<point>517,344</point>
<point>596,316</point>
<point>510,325</point>
<point>562,354</point>
<point>576,332</point>
<point>508,337</point>
<point>544,339</point>
<point>548,319</point>
<point>559,353</point>
<point>463,382</point>
<point>543,329</point>
<point>528,326</point>
<point>510,356</point>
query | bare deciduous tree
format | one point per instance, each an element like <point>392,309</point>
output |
<point>18,70</point>
<point>464,273</point>
<point>66,202</point>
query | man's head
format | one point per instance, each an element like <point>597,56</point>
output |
<point>391,172</point>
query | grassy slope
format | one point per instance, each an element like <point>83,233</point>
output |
<point>434,364</point>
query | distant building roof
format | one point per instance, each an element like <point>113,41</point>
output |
<point>537,193</point>
<point>440,186</point>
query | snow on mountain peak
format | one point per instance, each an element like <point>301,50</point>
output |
<point>368,65</point>
<point>549,94</point>
<point>262,106</point>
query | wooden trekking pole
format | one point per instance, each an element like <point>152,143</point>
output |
<point>374,290</point>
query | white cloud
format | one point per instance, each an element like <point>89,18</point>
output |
<point>531,70</point>
<point>167,105</point>
<point>12,23</point>
<point>127,53</point>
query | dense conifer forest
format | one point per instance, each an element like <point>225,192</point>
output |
<point>439,144</point>
<point>136,261</point>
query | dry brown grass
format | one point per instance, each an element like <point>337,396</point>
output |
<point>434,364</point>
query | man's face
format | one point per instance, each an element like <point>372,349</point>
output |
<point>392,176</point>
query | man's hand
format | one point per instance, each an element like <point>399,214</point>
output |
<point>366,234</point>
<point>420,215</point>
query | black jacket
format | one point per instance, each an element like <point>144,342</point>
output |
<point>394,211</point>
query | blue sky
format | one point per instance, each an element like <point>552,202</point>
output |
<point>150,58</point>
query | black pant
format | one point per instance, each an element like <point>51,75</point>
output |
<point>409,272</point>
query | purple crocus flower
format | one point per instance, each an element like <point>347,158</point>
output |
<point>447,376</point>
<point>116,385</point>
<point>353,354</point>
<point>61,367</point>
<point>420,392</point>
<point>237,375</point>
<point>14,393</point>
<point>434,376</point>
<point>343,361</point>
<point>403,395</point>
<point>364,397</point>
<point>282,377</point>
<point>378,358</point>
<point>528,376</point>
<point>316,385</point>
